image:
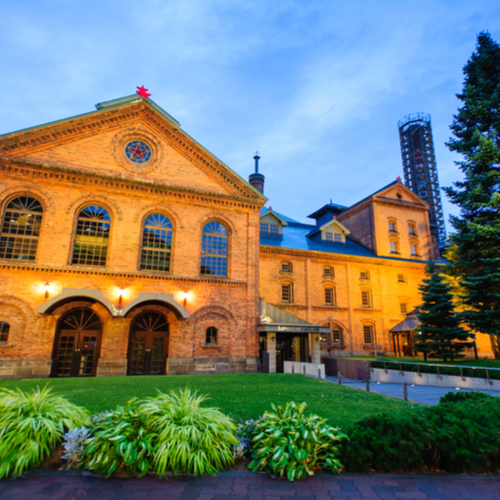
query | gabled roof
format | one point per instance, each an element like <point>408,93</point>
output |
<point>276,215</point>
<point>110,115</point>
<point>333,222</point>
<point>329,207</point>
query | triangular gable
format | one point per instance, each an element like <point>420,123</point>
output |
<point>95,142</point>
<point>271,216</point>
<point>398,191</point>
<point>334,224</point>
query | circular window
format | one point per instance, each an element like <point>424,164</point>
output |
<point>138,152</point>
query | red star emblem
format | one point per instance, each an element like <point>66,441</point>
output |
<point>143,92</point>
<point>398,178</point>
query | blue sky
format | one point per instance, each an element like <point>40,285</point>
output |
<point>316,86</point>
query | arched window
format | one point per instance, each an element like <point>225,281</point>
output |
<point>330,296</point>
<point>411,229</point>
<point>92,237</point>
<point>287,293</point>
<point>366,298</point>
<point>214,249</point>
<point>211,336</point>
<point>336,335</point>
<point>4,331</point>
<point>21,229</point>
<point>368,334</point>
<point>156,243</point>
<point>393,227</point>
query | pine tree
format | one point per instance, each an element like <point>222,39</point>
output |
<point>439,333</point>
<point>476,243</point>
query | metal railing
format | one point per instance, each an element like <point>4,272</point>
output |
<point>441,369</point>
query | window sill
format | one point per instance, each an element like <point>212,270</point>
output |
<point>5,344</point>
<point>286,272</point>
<point>210,346</point>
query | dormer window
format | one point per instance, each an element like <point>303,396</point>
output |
<point>269,229</point>
<point>272,224</point>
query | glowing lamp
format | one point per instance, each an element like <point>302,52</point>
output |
<point>46,287</point>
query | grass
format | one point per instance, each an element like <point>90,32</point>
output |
<point>241,395</point>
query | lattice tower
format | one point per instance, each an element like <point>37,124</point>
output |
<point>419,165</point>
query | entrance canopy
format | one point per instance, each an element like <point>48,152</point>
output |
<point>273,319</point>
<point>409,324</point>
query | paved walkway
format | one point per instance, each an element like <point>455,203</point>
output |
<point>419,393</point>
<point>245,486</point>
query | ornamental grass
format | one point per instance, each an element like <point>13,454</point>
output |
<point>31,427</point>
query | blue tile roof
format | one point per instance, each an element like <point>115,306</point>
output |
<point>294,237</point>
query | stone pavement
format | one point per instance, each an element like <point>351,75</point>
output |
<point>419,393</point>
<point>251,486</point>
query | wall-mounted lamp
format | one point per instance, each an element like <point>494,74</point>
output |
<point>184,296</point>
<point>273,338</point>
<point>46,287</point>
<point>120,298</point>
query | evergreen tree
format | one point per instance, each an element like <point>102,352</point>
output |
<point>476,242</point>
<point>439,333</point>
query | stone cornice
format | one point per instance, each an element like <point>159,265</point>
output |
<point>401,203</point>
<point>11,266</point>
<point>36,171</point>
<point>329,257</point>
<point>80,127</point>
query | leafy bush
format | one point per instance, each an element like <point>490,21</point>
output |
<point>287,443</point>
<point>244,433</point>
<point>190,438</point>
<point>73,445</point>
<point>456,438</point>
<point>457,397</point>
<point>31,426</point>
<point>385,443</point>
<point>119,439</point>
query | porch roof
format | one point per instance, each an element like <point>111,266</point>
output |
<point>274,319</point>
<point>409,324</point>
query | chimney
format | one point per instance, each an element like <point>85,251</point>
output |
<point>256,179</point>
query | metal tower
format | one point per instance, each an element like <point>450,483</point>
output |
<point>419,165</point>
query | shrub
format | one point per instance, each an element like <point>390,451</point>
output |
<point>455,438</point>
<point>73,445</point>
<point>244,433</point>
<point>119,439</point>
<point>456,397</point>
<point>31,426</point>
<point>287,443</point>
<point>385,443</point>
<point>190,438</point>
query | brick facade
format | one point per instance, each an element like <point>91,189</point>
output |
<point>80,162</point>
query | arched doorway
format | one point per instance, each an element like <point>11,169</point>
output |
<point>148,347</point>
<point>77,345</point>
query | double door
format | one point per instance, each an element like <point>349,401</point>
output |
<point>291,347</point>
<point>148,345</point>
<point>76,351</point>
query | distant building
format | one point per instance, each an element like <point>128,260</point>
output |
<point>127,248</point>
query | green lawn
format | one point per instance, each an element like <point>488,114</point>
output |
<point>245,395</point>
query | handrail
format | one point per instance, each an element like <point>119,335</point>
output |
<point>435,364</point>
<point>399,364</point>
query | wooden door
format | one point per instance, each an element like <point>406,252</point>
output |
<point>78,342</point>
<point>148,346</point>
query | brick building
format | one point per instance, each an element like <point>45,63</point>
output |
<point>128,248</point>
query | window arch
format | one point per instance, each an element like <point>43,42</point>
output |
<point>156,243</point>
<point>4,331</point>
<point>21,225</point>
<point>214,249</point>
<point>211,336</point>
<point>92,237</point>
